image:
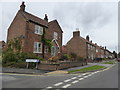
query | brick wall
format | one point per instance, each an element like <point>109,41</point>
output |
<point>59,66</point>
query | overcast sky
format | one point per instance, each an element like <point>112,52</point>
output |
<point>99,20</point>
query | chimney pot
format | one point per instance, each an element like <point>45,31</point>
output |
<point>46,18</point>
<point>87,37</point>
<point>22,7</point>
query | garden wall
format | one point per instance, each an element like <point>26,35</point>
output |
<point>61,65</point>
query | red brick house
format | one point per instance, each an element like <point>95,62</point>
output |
<point>98,51</point>
<point>108,54</point>
<point>80,46</point>
<point>31,29</point>
<point>85,48</point>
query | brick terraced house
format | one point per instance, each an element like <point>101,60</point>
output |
<point>80,46</point>
<point>31,29</point>
<point>85,48</point>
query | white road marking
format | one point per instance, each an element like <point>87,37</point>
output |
<point>98,71</point>
<point>81,78</point>
<point>48,87</point>
<point>67,80</point>
<point>74,78</point>
<point>58,84</point>
<point>66,86</point>
<point>93,73</point>
<point>75,81</point>
<point>85,76</point>
<point>90,75</point>
<point>79,75</point>
<point>84,73</point>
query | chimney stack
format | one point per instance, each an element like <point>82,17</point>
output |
<point>76,34</point>
<point>22,7</point>
<point>46,18</point>
<point>87,37</point>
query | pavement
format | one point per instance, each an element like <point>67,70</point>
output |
<point>23,71</point>
<point>42,72</point>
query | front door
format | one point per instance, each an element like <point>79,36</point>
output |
<point>53,51</point>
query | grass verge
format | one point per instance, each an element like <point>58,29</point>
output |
<point>108,63</point>
<point>91,68</point>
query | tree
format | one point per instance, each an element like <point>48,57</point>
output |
<point>14,45</point>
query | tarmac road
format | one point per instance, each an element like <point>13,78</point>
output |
<point>102,79</point>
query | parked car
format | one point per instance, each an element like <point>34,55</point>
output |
<point>118,59</point>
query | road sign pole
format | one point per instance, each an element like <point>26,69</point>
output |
<point>36,65</point>
<point>27,64</point>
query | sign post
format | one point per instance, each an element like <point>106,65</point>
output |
<point>32,60</point>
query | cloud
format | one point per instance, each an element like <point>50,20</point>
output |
<point>98,19</point>
<point>87,15</point>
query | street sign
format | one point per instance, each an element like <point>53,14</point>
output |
<point>32,60</point>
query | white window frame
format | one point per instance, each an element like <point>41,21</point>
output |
<point>55,35</point>
<point>38,30</point>
<point>96,50</point>
<point>37,51</point>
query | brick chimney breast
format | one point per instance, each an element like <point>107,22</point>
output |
<point>22,7</point>
<point>46,18</point>
<point>76,34</point>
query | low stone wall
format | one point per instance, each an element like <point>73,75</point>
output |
<point>58,66</point>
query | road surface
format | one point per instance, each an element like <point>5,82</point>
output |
<point>107,78</point>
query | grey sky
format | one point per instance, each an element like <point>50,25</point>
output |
<point>99,20</point>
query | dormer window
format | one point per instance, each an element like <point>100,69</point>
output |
<point>55,35</point>
<point>38,30</point>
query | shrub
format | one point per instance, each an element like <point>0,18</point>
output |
<point>73,55</point>
<point>53,59</point>
<point>9,57</point>
<point>17,58</point>
<point>80,58</point>
<point>9,64</point>
<point>65,57</point>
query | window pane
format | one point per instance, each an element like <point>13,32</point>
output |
<point>55,35</point>
<point>38,29</point>
<point>35,46</point>
<point>39,47</point>
<point>41,30</point>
